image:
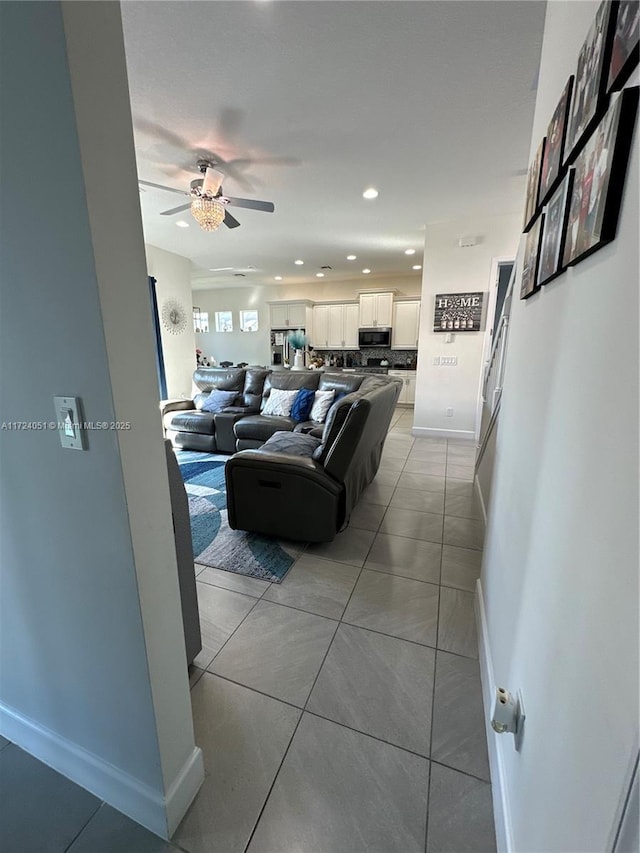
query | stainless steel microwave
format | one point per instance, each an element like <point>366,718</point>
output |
<point>370,338</point>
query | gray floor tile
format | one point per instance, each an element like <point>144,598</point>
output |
<point>317,585</point>
<point>243,736</point>
<point>391,465</point>
<point>377,494</point>
<point>418,501</point>
<point>41,810</point>
<point>221,611</point>
<point>459,738</point>
<point>460,472</point>
<point>351,546</point>
<point>367,516</point>
<point>460,567</point>
<point>456,623</point>
<point>109,831</point>
<point>460,488</point>
<point>396,606</point>
<point>460,814</point>
<point>393,451</point>
<point>463,507</point>
<point>428,454</point>
<point>422,482</point>
<point>195,674</point>
<point>410,558</point>
<point>463,532</point>
<point>236,583</point>
<point>342,792</point>
<point>416,525</point>
<point>378,685</point>
<point>465,456</point>
<point>278,651</point>
<point>422,466</point>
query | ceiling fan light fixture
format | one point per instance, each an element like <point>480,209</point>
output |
<point>208,212</point>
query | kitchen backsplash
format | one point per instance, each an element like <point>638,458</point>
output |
<point>360,356</point>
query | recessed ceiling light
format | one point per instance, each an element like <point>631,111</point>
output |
<point>182,224</point>
<point>372,192</point>
<point>409,251</point>
<point>298,263</point>
<point>366,271</point>
<point>351,257</point>
<point>416,267</point>
<point>319,275</point>
<point>219,269</point>
<point>277,277</point>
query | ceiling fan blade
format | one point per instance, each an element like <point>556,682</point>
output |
<point>176,210</point>
<point>253,204</point>
<point>230,221</point>
<point>160,187</point>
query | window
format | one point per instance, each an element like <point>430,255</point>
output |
<point>200,320</point>
<point>248,321</point>
<point>224,321</point>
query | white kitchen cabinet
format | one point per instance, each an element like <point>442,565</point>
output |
<point>406,325</point>
<point>335,326</point>
<point>320,329</point>
<point>351,325</point>
<point>289,315</point>
<point>376,309</point>
<point>408,393</point>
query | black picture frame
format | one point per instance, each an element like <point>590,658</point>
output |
<point>598,184</point>
<point>533,187</point>
<point>554,233</point>
<point>529,282</point>
<point>589,96</point>
<point>552,171</point>
<point>625,44</point>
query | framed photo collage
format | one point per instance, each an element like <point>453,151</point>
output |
<point>576,179</point>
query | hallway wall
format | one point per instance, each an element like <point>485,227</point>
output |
<point>560,572</point>
<point>93,678</point>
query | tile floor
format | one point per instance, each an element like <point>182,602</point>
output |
<point>339,711</point>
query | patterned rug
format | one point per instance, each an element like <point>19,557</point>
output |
<point>215,544</point>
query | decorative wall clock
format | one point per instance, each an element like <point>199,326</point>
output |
<point>174,317</point>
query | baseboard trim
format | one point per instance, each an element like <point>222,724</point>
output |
<point>430,432</point>
<point>501,809</point>
<point>478,491</point>
<point>119,789</point>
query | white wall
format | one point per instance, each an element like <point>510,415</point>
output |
<point>560,573</point>
<point>92,670</point>
<point>173,275</point>
<point>253,347</point>
<point>449,269</point>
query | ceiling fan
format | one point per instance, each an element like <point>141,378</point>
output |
<point>207,202</point>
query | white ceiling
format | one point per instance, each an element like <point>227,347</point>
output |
<point>430,102</point>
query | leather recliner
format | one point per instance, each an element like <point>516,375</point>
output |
<point>307,495</point>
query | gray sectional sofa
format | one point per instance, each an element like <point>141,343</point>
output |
<point>289,479</point>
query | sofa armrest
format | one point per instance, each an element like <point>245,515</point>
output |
<point>176,404</point>
<point>285,462</point>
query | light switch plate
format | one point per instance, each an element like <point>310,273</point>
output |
<point>69,418</point>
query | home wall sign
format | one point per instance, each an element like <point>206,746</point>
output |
<point>458,312</point>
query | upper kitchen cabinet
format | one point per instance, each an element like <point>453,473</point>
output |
<point>405,328</point>
<point>290,315</point>
<point>376,309</point>
<point>335,326</point>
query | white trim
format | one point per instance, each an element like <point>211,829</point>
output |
<point>501,808</point>
<point>431,432</point>
<point>119,789</point>
<point>478,491</point>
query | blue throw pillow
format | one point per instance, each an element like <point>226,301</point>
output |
<point>219,400</point>
<point>302,405</point>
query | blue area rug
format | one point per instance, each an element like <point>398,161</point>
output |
<point>215,544</point>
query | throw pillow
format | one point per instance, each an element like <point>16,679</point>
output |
<point>321,405</point>
<point>219,400</point>
<point>302,404</point>
<point>279,403</point>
